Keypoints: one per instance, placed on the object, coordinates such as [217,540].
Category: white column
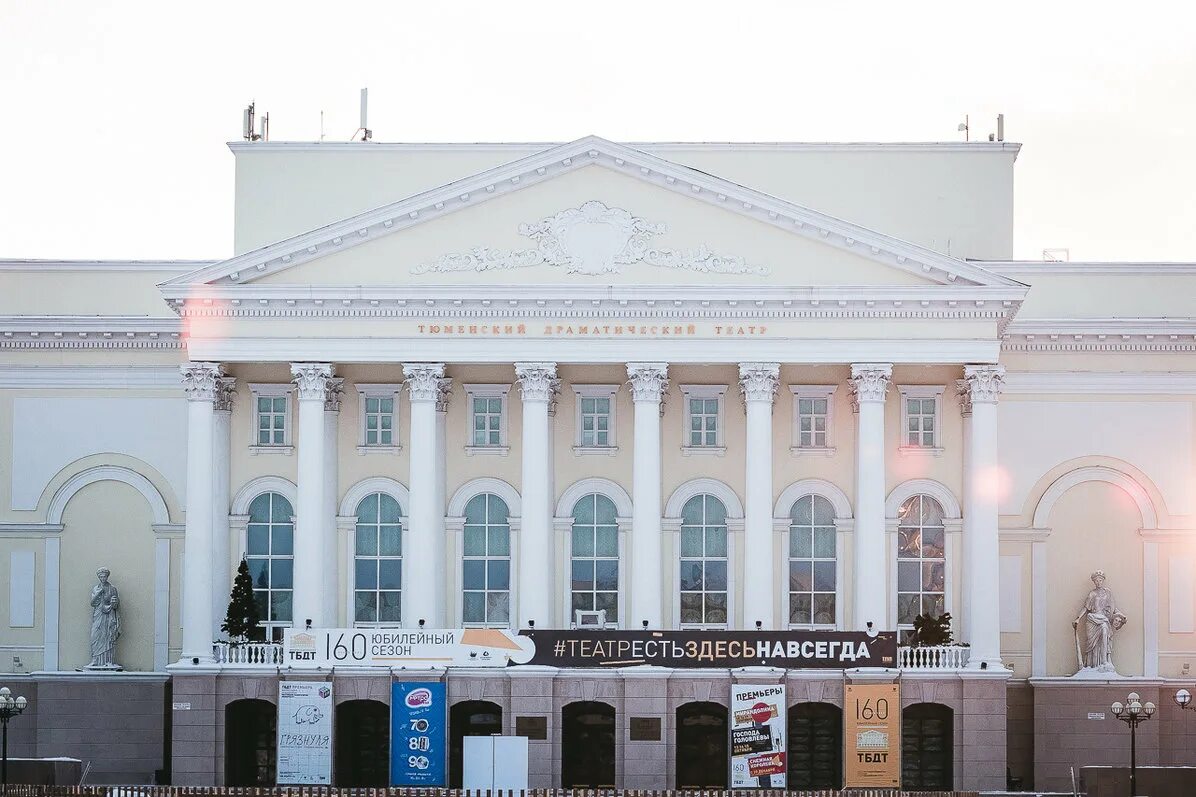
[981,545]
[537,384]
[331,570]
[648,385]
[222,582]
[424,518]
[311,524]
[439,616]
[869,384]
[758,382]
[200,383]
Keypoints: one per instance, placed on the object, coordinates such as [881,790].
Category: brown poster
[872,736]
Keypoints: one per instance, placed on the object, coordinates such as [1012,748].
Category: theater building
[704,387]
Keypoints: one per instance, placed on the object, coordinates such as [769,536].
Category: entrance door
[469,718]
[815,746]
[702,761]
[250,743]
[927,753]
[588,746]
[362,743]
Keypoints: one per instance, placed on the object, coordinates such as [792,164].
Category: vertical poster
[304,733]
[872,736]
[758,731]
[418,734]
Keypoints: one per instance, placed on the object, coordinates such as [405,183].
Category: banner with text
[418,733]
[304,733]
[400,647]
[758,736]
[716,649]
[872,735]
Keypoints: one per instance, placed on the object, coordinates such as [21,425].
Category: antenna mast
[364,128]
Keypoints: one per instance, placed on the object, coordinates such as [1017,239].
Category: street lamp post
[1133,713]
[9,708]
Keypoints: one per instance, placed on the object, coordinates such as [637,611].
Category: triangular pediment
[596,212]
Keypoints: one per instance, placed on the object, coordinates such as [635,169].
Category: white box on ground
[495,762]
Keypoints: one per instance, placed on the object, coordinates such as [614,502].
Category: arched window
[250,743]
[921,560]
[812,563]
[703,577]
[815,746]
[595,556]
[362,743]
[378,562]
[701,746]
[486,569]
[927,750]
[269,551]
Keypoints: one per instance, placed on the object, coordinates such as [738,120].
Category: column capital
[312,380]
[226,388]
[444,393]
[201,381]
[981,384]
[537,381]
[336,392]
[648,381]
[869,382]
[423,380]
[758,381]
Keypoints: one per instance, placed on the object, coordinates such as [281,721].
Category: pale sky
[113,115]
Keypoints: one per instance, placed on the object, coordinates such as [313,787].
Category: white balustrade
[267,653]
[939,657]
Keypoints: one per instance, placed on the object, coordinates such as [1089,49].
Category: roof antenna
[1000,134]
[965,128]
[364,128]
[247,120]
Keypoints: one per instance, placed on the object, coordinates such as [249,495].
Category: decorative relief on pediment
[591,239]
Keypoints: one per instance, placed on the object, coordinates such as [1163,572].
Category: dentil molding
[591,239]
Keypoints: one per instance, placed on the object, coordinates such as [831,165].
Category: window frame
[800,392]
[946,525]
[706,392]
[488,391]
[378,390]
[272,625]
[908,392]
[728,558]
[353,590]
[273,390]
[609,392]
[838,590]
[510,558]
[613,619]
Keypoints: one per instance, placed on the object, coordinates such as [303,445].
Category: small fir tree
[931,631]
[241,620]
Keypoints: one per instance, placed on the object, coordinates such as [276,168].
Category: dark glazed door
[469,718]
[588,746]
[702,761]
[815,746]
[250,743]
[362,743]
[926,747]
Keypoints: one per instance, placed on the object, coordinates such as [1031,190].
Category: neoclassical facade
[665,386]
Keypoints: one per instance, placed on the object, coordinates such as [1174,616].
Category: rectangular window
[487,418]
[703,422]
[811,422]
[379,417]
[271,417]
[595,418]
[921,408]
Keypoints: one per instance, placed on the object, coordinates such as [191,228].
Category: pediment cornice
[590,151]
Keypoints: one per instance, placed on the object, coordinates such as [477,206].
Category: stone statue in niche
[1099,619]
[105,623]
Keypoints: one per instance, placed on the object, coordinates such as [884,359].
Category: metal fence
[20,790]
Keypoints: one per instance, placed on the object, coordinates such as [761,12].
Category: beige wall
[1094,526]
[107,525]
[947,198]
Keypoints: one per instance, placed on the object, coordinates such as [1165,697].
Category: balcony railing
[267,653]
[943,657]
